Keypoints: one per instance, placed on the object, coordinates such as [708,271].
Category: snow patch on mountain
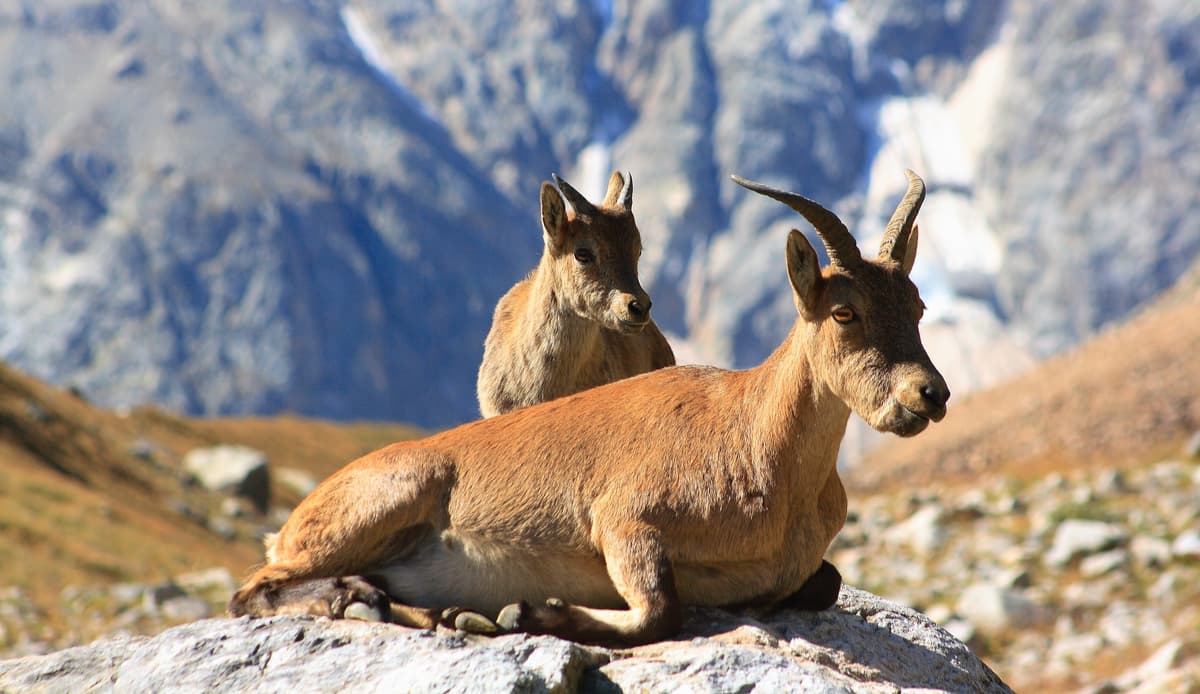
[845,20]
[372,53]
[592,169]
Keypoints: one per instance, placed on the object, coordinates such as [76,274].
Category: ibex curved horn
[625,199]
[895,238]
[620,191]
[579,203]
[839,244]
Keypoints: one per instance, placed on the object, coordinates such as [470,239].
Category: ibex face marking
[871,353]
[594,253]
[863,316]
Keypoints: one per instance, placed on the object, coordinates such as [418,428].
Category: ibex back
[596,516]
[581,319]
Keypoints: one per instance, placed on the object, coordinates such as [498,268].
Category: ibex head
[593,253]
[862,315]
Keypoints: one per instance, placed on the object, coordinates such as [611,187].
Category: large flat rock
[864,644]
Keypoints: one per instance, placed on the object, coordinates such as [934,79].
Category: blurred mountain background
[305,206]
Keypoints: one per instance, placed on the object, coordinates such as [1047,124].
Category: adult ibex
[581,319]
[596,516]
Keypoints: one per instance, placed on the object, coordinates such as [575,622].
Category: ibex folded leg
[641,572]
[338,597]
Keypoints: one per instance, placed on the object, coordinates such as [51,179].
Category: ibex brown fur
[581,319]
[596,516]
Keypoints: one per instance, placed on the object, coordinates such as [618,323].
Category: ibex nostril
[934,394]
[637,309]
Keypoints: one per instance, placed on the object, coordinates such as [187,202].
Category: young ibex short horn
[596,516]
[581,318]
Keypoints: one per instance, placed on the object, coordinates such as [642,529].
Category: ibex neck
[555,328]
[791,412]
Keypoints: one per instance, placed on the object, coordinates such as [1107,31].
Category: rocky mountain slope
[222,208]
[313,206]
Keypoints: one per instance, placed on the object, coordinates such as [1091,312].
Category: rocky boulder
[239,470]
[864,644]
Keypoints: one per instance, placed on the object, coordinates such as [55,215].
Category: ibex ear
[803,272]
[910,251]
[554,215]
[620,191]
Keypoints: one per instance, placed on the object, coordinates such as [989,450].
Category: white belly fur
[450,569]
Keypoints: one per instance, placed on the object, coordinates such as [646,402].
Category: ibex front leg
[640,570]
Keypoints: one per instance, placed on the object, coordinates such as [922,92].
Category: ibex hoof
[475,623]
[510,617]
[363,611]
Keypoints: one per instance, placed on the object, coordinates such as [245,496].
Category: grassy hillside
[96,497]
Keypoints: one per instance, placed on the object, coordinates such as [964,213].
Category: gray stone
[239,470]
[236,507]
[1150,551]
[1013,578]
[994,610]
[218,580]
[1191,448]
[1186,545]
[163,592]
[865,644]
[185,609]
[1124,623]
[1103,563]
[222,527]
[1111,482]
[300,481]
[144,449]
[1165,658]
[923,531]
[961,629]
[1077,649]
[127,593]
[1073,538]
[1166,588]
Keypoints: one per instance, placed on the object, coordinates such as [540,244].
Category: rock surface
[864,644]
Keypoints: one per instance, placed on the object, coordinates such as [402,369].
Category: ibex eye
[843,314]
[584,255]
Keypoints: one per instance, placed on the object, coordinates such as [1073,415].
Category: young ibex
[581,319]
[596,516]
